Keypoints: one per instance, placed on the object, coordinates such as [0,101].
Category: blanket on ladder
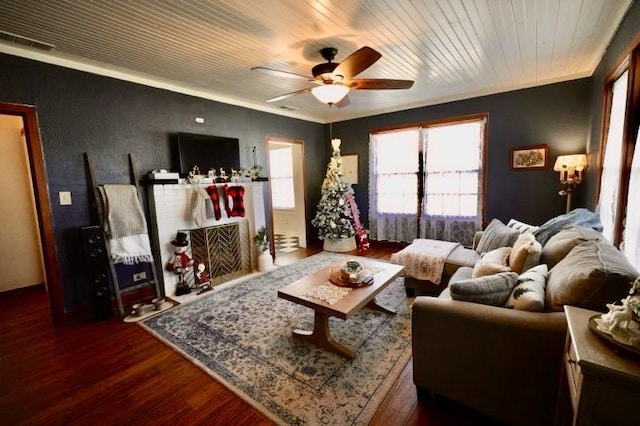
[125,224]
[424,259]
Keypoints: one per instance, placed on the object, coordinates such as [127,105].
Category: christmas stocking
[236,193]
[215,201]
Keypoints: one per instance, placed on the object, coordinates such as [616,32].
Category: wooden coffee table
[352,302]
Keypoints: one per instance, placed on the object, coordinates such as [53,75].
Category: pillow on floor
[528,294]
[494,262]
[525,253]
[496,235]
[489,290]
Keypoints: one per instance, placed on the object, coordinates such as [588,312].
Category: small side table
[604,385]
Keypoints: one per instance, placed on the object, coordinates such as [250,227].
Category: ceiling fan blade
[379,83]
[357,62]
[278,73]
[281,97]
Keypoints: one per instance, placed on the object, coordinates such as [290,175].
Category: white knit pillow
[528,294]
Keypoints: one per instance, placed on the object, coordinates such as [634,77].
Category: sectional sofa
[494,341]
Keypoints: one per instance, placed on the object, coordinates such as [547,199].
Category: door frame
[289,141]
[40,185]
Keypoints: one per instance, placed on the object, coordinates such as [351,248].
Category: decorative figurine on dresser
[621,324]
[180,263]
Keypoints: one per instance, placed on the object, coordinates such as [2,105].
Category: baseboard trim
[24,290]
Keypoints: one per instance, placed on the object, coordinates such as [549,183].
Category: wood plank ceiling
[453,49]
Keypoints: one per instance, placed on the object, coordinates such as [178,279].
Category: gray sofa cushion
[564,241]
[459,257]
[593,274]
[497,235]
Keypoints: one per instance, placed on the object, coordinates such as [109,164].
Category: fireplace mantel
[171,212]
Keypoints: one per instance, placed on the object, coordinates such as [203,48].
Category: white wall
[20,251]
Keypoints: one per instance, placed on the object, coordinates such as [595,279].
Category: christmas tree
[334,219]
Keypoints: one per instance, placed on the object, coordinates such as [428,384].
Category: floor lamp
[570,168]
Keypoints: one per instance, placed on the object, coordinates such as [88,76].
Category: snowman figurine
[180,262]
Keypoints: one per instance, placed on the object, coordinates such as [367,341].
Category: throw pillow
[564,241]
[496,235]
[521,226]
[490,290]
[528,294]
[593,274]
[525,253]
[493,262]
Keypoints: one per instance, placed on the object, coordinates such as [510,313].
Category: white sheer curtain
[631,235]
[453,186]
[611,165]
[393,184]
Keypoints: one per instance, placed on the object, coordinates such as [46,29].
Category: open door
[286,191]
[39,186]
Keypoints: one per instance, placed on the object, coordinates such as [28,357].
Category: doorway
[286,191]
[38,196]
[20,237]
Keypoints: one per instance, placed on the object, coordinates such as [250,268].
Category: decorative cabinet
[604,384]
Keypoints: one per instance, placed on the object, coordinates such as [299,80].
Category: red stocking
[213,194]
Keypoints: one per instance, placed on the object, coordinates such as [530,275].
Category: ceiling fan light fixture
[330,93]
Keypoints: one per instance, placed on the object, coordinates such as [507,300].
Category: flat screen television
[207,152]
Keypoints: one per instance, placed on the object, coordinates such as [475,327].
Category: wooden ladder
[119,288]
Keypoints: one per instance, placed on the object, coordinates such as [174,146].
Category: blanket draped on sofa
[424,259]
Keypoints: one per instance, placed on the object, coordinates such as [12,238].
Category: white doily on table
[328,292]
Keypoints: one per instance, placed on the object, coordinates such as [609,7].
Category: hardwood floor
[112,372]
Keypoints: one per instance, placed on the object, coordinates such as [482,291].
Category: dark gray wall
[80,112]
[622,41]
[556,115]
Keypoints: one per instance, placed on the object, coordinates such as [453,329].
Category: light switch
[65,198]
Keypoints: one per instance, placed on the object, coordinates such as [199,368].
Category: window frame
[628,61]
[441,122]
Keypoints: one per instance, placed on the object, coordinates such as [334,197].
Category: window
[612,162]
[397,172]
[619,193]
[426,174]
[631,240]
[452,169]
[281,164]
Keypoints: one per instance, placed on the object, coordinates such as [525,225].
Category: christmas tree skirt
[339,244]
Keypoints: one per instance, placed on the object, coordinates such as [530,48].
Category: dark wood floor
[112,372]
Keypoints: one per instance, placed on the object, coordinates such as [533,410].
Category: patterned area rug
[241,335]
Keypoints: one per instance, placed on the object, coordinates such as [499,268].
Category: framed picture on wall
[350,169]
[533,157]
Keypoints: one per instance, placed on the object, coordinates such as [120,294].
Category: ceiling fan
[334,80]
